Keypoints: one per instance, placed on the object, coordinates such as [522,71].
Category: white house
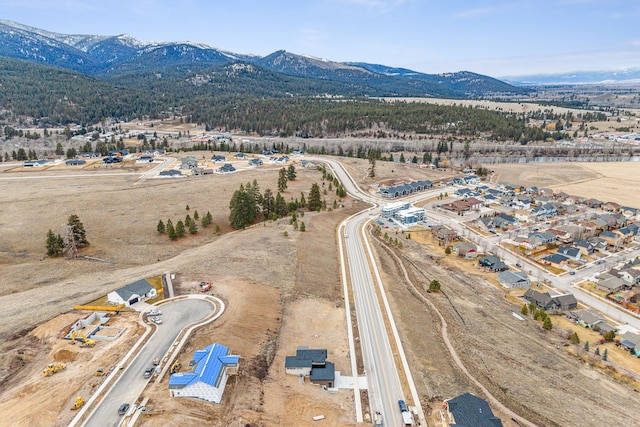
[207,380]
[132,293]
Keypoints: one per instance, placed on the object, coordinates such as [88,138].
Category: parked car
[148,372]
[123,409]
[154,312]
[156,320]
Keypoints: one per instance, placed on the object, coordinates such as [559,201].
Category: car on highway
[156,320]
[123,409]
[154,312]
[148,372]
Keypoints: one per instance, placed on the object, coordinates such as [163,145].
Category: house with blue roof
[211,368]
[468,410]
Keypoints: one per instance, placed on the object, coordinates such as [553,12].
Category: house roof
[140,287]
[318,356]
[210,364]
[471,411]
[512,277]
[323,373]
[569,251]
[295,362]
[555,258]
[588,316]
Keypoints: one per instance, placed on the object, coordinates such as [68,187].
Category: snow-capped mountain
[111,56]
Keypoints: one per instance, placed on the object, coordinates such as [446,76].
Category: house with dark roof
[557,260]
[171,173]
[132,293]
[468,410]
[570,252]
[211,368]
[226,168]
[255,162]
[551,303]
[240,156]
[493,263]
[218,159]
[312,363]
[75,162]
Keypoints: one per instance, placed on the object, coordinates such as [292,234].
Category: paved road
[564,281]
[383,381]
[176,315]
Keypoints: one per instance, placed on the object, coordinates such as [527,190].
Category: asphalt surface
[175,316]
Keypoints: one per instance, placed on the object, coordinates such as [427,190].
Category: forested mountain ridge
[109,57]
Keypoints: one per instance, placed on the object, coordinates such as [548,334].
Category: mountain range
[608,77]
[122,58]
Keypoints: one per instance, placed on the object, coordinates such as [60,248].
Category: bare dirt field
[607,181]
[282,291]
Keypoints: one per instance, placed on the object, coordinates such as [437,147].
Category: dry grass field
[282,290]
[611,181]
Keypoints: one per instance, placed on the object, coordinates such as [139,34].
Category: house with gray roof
[312,363]
[610,284]
[588,317]
[551,303]
[207,380]
[468,410]
[132,293]
[514,279]
[555,259]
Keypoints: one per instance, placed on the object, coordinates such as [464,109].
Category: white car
[154,312]
[156,320]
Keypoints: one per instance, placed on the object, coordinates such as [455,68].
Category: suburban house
[493,263]
[570,252]
[551,303]
[466,250]
[188,162]
[444,234]
[312,363]
[211,368]
[610,283]
[514,279]
[557,260]
[34,163]
[588,318]
[75,162]
[240,156]
[171,173]
[218,159]
[132,293]
[630,275]
[255,162]
[144,159]
[469,410]
[226,168]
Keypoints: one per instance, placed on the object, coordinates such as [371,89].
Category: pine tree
[244,207]
[196,217]
[268,204]
[282,180]
[597,352]
[303,201]
[524,310]
[575,339]
[171,231]
[586,346]
[161,227]
[547,323]
[605,355]
[434,286]
[206,219]
[303,227]
[180,229]
[315,200]
[55,244]
[291,173]
[193,227]
[77,229]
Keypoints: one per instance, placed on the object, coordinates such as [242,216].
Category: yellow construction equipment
[175,367]
[78,403]
[53,368]
[85,341]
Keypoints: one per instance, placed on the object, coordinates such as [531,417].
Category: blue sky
[494,37]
